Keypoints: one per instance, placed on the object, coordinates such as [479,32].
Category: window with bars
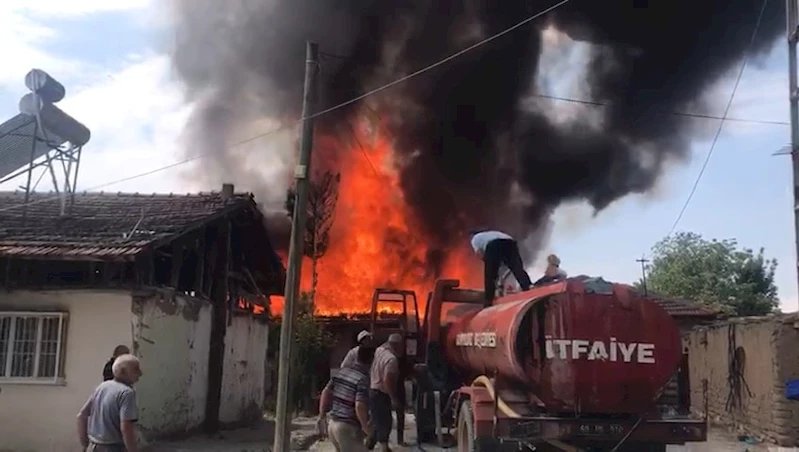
[32,346]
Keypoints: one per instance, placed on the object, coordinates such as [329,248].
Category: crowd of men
[358,401]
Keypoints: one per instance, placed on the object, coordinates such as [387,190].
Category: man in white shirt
[497,248]
[384,392]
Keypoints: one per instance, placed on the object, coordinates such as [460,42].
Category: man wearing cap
[365,339]
[497,248]
[384,394]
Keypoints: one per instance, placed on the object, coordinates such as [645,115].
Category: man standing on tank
[497,248]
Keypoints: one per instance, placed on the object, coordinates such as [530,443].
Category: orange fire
[375,240]
[256,309]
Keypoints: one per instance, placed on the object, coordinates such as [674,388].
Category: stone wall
[767,349]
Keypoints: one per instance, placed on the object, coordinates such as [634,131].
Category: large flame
[375,241]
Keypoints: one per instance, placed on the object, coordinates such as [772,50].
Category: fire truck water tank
[576,350]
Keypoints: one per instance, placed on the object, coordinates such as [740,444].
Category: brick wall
[769,347]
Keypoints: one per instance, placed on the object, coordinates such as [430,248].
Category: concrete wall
[41,418]
[771,357]
[171,337]
[170,333]
[244,373]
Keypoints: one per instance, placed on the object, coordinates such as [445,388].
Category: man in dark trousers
[384,396]
[497,248]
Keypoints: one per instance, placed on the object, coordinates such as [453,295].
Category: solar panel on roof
[21,139]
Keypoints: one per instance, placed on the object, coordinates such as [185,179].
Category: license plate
[524,429]
[600,429]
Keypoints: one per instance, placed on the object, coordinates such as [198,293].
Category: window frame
[59,379]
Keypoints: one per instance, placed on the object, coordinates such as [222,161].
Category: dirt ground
[259,439]
[718,441]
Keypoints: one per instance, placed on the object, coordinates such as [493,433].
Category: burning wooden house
[166,276]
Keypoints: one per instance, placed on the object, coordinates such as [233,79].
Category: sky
[111,56]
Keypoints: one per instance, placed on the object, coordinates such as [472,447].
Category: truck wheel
[466,440]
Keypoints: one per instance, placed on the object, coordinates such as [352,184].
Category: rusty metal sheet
[68,252]
[577,351]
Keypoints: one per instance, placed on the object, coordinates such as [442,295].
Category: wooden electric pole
[792,15]
[643,260]
[299,217]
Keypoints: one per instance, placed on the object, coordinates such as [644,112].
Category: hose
[484,381]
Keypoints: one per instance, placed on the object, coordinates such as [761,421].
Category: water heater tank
[54,120]
[48,88]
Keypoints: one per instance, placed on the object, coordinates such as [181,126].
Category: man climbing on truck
[497,248]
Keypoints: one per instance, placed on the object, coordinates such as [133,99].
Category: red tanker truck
[575,365]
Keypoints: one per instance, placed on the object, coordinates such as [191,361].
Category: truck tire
[466,440]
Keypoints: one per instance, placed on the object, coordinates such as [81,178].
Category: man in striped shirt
[345,400]
[384,394]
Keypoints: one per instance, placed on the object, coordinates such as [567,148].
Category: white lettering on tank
[598,351]
[646,353]
[562,344]
[485,339]
[627,351]
[577,349]
[613,349]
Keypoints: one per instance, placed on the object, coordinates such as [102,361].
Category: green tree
[716,273]
[311,347]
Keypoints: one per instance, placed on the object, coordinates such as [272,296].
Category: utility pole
[298,219]
[792,14]
[643,260]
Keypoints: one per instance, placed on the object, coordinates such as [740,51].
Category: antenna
[643,260]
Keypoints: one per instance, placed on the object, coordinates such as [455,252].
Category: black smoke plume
[472,151]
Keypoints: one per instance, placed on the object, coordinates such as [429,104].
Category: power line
[328,110]
[107,184]
[413,75]
[432,66]
[723,119]
[667,112]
